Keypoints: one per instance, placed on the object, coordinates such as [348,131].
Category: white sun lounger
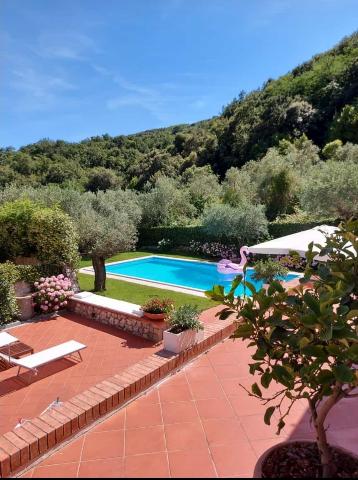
[6,339]
[32,362]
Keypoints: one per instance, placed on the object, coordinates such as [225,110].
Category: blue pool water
[182,273]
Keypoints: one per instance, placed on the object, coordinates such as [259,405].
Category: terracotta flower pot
[155,316]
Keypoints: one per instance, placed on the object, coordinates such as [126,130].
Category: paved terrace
[197,423]
[108,352]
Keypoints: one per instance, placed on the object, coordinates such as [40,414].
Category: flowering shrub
[214,249]
[164,244]
[158,305]
[51,293]
[293,261]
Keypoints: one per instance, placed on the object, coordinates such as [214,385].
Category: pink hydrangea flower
[51,293]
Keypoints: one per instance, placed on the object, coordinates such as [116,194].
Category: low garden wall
[122,315]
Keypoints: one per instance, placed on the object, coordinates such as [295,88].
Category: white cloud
[160,100]
[37,90]
[65,45]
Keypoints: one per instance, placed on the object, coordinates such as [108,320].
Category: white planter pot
[178,342]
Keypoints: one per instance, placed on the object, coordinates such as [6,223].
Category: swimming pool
[181,273]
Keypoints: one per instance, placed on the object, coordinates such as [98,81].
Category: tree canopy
[318,98]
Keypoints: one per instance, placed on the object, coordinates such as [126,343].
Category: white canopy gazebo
[297,242]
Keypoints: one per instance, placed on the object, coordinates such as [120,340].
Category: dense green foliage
[305,340]
[48,234]
[28,273]
[268,270]
[240,225]
[9,309]
[45,233]
[317,98]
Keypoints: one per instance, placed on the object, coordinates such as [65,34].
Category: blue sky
[71,69]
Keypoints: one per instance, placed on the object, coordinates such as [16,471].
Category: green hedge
[178,236]
[281,229]
[182,236]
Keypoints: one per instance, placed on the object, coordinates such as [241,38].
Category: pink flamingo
[227,266]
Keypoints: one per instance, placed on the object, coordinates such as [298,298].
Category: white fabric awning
[297,242]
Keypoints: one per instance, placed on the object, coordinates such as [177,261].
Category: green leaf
[313,303]
[343,373]
[309,320]
[255,366]
[280,426]
[256,390]
[352,314]
[325,376]
[266,379]
[352,353]
[303,342]
[250,286]
[235,283]
[275,286]
[268,415]
[244,330]
[216,293]
[335,350]
[326,333]
[316,351]
[282,375]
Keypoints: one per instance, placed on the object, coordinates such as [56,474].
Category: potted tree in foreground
[185,329]
[306,340]
[268,270]
[157,308]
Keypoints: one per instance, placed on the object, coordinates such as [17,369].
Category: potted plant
[185,329]
[268,270]
[157,308]
[306,341]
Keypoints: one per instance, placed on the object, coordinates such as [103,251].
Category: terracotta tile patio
[108,352]
[198,423]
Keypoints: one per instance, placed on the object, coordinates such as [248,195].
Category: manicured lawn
[139,294]
[138,254]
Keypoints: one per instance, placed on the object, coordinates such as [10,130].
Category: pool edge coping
[165,286]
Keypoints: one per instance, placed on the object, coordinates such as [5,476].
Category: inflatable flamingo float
[227,266]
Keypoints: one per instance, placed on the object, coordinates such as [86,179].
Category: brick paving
[197,423]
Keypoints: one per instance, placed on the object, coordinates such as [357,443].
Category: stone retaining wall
[136,325]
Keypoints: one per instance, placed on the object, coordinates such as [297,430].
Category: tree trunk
[99,273]
[319,417]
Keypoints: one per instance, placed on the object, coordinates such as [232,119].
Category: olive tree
[202,185]
[242,225]
[107,224]
[166,204]
[238,187]
[306,340]
[331,189]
